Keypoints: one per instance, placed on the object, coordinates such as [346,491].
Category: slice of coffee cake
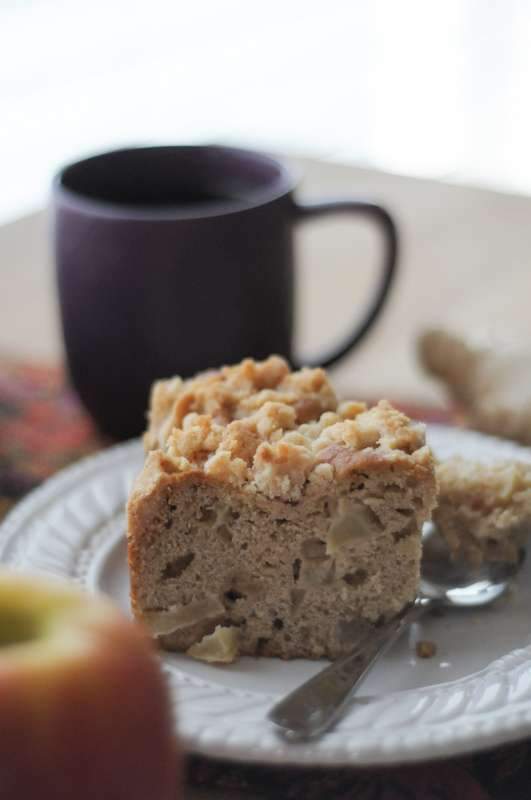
[270,520]
[484,510]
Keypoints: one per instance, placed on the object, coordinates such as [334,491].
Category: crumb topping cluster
[485,487]
[259,426]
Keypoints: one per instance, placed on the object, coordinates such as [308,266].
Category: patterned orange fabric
[42,428]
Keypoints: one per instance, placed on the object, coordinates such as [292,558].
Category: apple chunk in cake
[271,520]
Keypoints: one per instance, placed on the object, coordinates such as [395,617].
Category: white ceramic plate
[476,691]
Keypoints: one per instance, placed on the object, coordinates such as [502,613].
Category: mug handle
[384,221]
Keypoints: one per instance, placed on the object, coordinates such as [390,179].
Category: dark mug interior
[189,180]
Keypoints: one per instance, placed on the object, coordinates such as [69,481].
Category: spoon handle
[315,706]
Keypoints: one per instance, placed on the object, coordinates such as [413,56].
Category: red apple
[84,710]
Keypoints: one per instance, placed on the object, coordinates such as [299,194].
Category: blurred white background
[438,89]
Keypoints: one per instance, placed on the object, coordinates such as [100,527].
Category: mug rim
[282,185]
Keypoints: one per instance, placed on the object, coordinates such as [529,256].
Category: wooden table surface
[465,261]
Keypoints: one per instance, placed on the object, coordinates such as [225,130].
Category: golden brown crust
[259,427]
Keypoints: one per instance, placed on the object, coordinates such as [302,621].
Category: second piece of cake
[270,520]
[484,510]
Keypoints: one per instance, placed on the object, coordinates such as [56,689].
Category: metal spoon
[312,708]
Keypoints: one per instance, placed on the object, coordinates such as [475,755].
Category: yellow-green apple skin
[84,709]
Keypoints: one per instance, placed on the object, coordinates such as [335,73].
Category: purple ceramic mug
[171,260]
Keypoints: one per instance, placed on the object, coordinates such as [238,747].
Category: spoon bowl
[458,583]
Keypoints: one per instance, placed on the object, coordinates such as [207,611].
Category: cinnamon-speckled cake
[269,519]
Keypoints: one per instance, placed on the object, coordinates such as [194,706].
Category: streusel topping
[486,487]
[261,427]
